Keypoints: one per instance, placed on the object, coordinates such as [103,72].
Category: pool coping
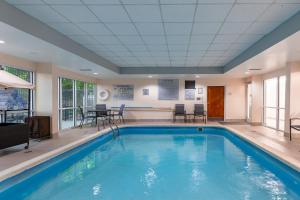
[17,169]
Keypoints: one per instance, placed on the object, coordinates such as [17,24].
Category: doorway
[215,102]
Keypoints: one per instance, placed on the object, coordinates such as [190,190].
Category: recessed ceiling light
[197,76]
[247,72]
[150,76]
[95,73]
[2,41]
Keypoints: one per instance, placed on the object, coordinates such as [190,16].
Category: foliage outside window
[74,93]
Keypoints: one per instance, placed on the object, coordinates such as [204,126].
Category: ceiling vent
[85,70]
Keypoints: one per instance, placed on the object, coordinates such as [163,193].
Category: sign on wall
[189,94]
[168,89]
[123,92]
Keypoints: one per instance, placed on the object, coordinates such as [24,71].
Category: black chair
[179,111]
[85,117]
[119,114]
[294,126]
[103,113]
[199,112]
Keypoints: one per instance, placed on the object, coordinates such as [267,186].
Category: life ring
[103,95]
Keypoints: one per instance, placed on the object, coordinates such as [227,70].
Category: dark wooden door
[215,102]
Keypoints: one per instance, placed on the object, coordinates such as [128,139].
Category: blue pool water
[159,163]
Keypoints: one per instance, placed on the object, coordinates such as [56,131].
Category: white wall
[235,92]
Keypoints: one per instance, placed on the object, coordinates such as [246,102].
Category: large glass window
[19,100]
[274,102]
[72,94]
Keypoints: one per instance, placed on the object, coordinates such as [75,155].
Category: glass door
[274,102]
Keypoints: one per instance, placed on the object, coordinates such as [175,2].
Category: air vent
[85,70]
[254,69]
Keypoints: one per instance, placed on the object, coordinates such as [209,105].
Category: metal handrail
[113,130]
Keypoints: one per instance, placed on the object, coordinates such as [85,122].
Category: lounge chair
[199,112]
[119,114]
[179,111]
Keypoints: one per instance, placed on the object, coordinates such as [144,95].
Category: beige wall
[46,91]
[235,92]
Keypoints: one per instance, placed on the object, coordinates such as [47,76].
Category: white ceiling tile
[137,47]
[178,47]
[196,54]
[160,53]
[94,28]
[131,39]
[110,13]
[215,1]
[279,12]
[255,1]
[228,38]
[198,47]
[76,13]
[67,28]
[150,28]
[23,2]
[122,28]
[117,48]
[204,38]
[69,2]
[144,13]
[101,2]
[178,1]
[42,12]
[157,47]
[206,28]
[144,2]
[212,12]
[219,46]
[178,28]
[261,27]
[152,40]
[178,13]
[246,12]
[178,39]
[107,39]
[234,27]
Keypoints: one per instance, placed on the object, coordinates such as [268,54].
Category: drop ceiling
[165,33]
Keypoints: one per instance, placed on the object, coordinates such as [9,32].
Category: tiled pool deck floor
[269,139]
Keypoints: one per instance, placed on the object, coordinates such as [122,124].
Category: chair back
[101,109]
[81,112]
[121,110]
[199,109]
[179,108]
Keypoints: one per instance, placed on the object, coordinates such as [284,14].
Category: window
[18,104]
[274,102]
[72,94]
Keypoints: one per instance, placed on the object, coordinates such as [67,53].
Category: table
[108,111]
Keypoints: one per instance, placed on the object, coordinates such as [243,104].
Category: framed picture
[200,90]
[146,92]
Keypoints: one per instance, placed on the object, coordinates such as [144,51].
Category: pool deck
[15,160]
